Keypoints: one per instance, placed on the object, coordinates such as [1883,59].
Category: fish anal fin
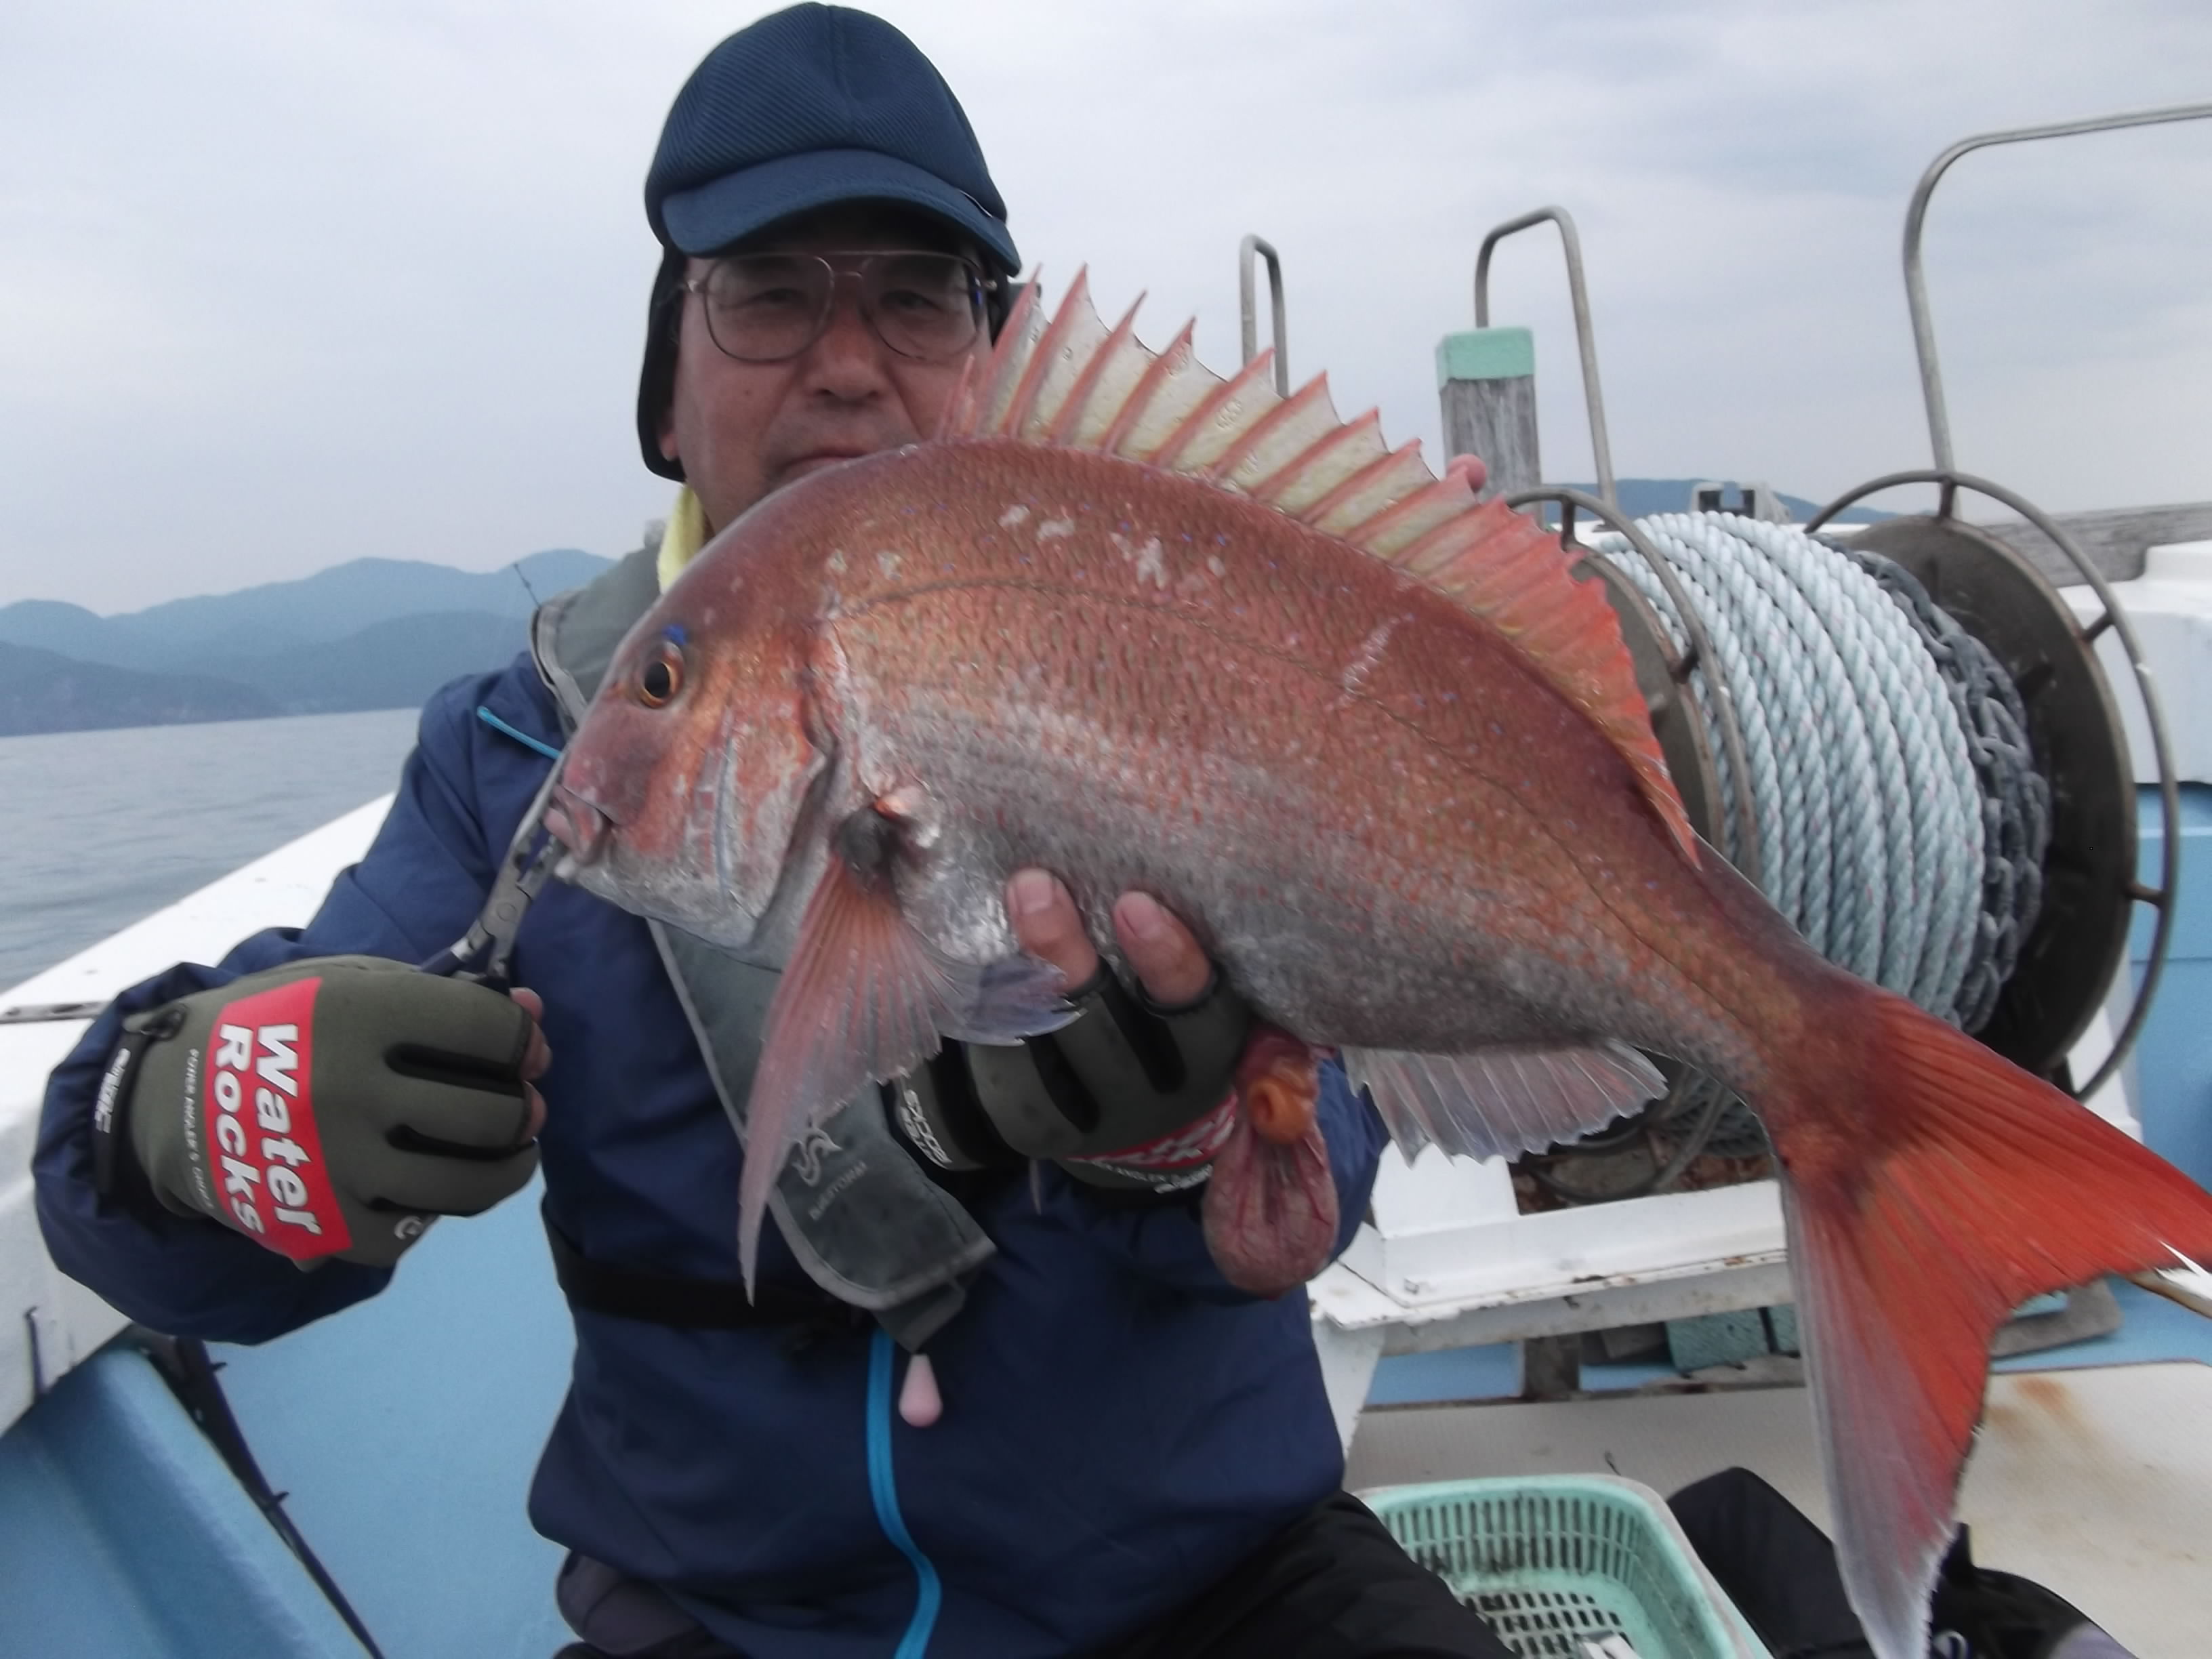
[1502,1101]
[864,998]
[1964,1187]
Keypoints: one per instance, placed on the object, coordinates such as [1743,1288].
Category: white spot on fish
[888,564]
[1214,563]
[1013,515]
[1152,566]
[1369,654]
[1051,528]
[836,563]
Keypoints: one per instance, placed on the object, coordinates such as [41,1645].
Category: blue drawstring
[524,738]
[884,1491]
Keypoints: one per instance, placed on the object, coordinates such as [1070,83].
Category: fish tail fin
[1964,1187]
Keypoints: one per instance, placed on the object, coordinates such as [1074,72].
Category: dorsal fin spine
[1069,421]
[1156,375]
[958,420]
[1384,534]
[1290,408]
[1408,454]
[1009,358]
[1041,358]
[1188,429]
[1350,435]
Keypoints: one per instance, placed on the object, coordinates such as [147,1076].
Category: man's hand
[1132,1094]
[331,1107]
[1167,960]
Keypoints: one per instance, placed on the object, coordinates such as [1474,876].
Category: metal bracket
[1915,287]
[1248,296]
[1593,398]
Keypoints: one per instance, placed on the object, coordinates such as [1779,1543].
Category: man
[1102,1448]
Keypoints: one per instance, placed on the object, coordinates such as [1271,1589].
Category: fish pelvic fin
[1071,380]
[864,999]
[1967,1187]
[1501,1101]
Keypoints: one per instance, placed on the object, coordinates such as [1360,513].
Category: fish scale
[1384,754]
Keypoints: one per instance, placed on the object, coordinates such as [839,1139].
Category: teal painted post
[1487,382]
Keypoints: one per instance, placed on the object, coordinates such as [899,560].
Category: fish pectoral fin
[864,999]
[1502,1100]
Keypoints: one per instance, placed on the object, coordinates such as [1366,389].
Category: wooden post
[1487,382]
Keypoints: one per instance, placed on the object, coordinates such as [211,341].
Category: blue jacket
[1121,1426]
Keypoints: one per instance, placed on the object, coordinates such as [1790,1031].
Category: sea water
[98,828]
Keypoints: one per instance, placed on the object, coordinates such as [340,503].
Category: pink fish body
[1380,750]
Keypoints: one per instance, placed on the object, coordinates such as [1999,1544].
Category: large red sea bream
[1149,629]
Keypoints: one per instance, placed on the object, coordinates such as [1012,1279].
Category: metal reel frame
[2130,889]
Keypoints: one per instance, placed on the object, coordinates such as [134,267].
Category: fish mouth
[578,825]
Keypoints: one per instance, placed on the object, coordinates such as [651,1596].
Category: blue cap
[808,108]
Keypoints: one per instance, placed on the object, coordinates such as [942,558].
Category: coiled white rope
[1869,818]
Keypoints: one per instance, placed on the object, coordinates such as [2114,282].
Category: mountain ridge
[369,634]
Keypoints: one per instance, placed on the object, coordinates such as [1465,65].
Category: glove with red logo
[328,1108]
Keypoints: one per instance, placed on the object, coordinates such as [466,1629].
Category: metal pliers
[523,873]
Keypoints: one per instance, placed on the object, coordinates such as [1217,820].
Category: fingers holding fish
[1166,957]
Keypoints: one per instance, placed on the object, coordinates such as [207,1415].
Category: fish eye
[662,677]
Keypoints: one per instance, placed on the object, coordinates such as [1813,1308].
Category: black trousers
[1334,1584]
[1778,1567]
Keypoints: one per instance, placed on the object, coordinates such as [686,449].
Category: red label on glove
[260,1114]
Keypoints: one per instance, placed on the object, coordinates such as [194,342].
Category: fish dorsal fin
[1073,381]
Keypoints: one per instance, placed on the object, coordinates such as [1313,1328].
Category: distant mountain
[391,665]
[195,634]
[1641,497]
[373,634]
[45,691]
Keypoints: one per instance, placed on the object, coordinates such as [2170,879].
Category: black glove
[327,1107]
[1126,1096]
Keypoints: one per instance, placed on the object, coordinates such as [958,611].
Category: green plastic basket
[1558,1563]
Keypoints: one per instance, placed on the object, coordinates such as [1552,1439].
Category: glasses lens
[923,305]
[763,308]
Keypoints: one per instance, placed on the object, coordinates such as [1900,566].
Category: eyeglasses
[768,308]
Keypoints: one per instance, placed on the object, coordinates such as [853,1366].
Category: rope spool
[1885,750]
[1887,798]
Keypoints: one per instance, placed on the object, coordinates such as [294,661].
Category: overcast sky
[286,282]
